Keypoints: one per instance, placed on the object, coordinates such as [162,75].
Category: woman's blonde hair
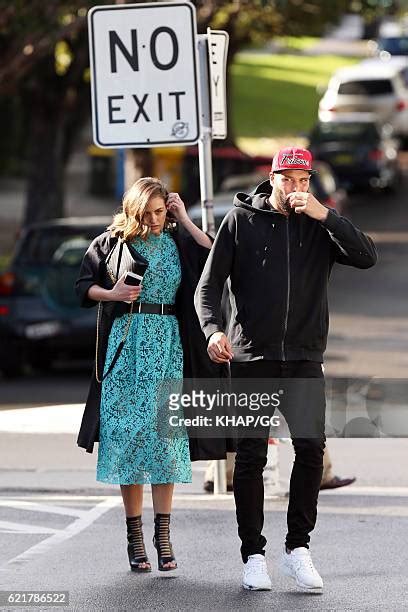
[128,223]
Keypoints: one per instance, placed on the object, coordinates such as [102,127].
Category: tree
[45,64]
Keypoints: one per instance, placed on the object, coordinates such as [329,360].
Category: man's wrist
[323,214]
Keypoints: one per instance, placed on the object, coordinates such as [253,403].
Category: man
[277,248]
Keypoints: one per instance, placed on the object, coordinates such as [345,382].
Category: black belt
[147,308]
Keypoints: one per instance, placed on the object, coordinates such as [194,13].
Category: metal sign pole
[205,141]
[207,191]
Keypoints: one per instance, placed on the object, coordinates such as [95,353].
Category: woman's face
[155,215]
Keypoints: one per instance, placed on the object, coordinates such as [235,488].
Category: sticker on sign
[144,74]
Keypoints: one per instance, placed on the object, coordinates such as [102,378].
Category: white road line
[381,511]
[64,534]
[63,497]
[369,491]
[51,509]
[25,528]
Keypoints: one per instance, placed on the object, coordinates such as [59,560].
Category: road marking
[383,511]
[368,491]
[60,536]
[12,527]
[51,509]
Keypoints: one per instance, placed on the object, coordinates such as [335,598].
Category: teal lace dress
[131,449]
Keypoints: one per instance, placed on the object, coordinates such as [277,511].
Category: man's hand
[219,348]
[305,202]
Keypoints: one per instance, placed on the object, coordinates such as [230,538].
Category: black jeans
[307,469]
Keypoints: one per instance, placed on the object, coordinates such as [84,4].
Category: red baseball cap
[292,158]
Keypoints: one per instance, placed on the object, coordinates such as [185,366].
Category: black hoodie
[278,269]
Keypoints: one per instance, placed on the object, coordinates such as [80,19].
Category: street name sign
[217,50]
[144,79]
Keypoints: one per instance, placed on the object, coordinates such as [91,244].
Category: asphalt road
[356,547]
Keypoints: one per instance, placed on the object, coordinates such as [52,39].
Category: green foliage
[275,95]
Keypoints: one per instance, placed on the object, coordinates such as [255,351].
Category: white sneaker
[256,574]
[298,564]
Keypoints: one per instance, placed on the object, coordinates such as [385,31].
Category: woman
[121,411]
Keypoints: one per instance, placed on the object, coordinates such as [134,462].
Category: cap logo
[294,161]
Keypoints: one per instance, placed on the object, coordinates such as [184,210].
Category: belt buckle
[162,308]
[139,308]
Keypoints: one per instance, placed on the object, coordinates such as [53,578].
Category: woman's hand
[176,207]
[124,293]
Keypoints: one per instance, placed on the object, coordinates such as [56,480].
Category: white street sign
[144,74]
[217,49]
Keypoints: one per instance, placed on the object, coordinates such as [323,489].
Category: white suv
[372,86]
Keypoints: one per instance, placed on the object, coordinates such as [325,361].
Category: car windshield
[358,132]
[374,87]
[395,45]
[40,245]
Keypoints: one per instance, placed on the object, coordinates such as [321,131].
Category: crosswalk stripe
[48,508]
[59,536]
[25,528]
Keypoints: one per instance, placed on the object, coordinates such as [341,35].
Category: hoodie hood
[257,201]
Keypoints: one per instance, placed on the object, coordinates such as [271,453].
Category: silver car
[373,86]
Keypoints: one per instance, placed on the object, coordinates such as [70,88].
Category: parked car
[373,86]
[40,316]
[323,185]
[396,46]
[361,151]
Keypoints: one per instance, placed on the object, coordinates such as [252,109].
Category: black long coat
[197,364]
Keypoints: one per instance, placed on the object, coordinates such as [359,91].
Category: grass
[297,43]
[276,95]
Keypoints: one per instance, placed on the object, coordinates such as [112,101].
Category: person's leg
[306,419]
[209,472]
[248,474]
[230,466]
[162,495]
[249,494]
[132,496]
[327,467]
[304,491]
[330,480]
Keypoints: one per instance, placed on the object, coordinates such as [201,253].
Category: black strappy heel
[161,542]
[136,548]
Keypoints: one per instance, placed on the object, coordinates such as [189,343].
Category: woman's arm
[119,293]
[176,206]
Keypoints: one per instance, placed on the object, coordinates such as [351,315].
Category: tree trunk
[45,162]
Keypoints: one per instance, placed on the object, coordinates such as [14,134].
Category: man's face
[287,182]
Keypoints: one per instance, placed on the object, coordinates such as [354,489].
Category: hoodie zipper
[285,325]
